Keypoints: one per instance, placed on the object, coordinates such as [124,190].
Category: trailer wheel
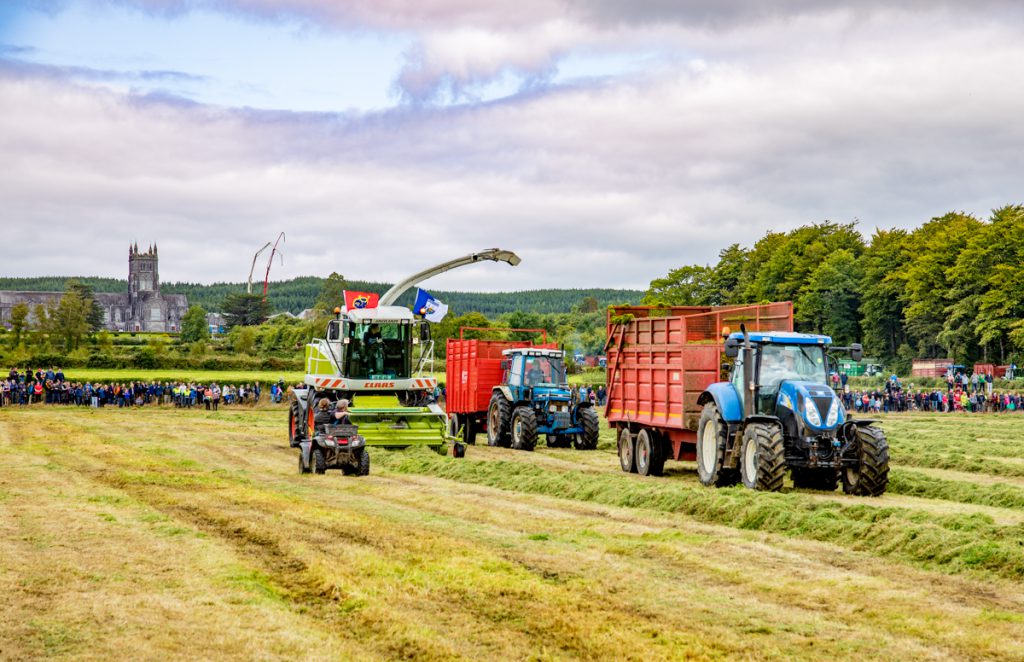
[627,451]
[711,438]
[469,431]
[587,441]
[762,457]
[499,414]
[871,475]
[295,429]
[815,479]
[649,459]
[319,462]
[524,429]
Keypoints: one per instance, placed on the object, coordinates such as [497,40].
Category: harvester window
[378,350]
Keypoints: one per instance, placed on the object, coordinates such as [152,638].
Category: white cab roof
[534,351]
[380,314]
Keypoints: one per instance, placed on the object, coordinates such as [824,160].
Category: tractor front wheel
[762,457]
[499,414]
[587,441]
[871,475]
[524,429]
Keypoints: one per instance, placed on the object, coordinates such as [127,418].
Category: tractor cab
[542,370]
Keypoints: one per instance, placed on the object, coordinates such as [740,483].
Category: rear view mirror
[506,364]
[856,351]
[425,332]
[732,347]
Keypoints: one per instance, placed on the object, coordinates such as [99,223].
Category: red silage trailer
[660,360]
[473,369]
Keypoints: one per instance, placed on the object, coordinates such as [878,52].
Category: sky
[606,142]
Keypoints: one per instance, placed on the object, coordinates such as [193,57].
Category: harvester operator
[374,343]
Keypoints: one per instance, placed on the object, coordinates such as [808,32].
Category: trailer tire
[649,459]
[815,479]
[524,429]
[453,425]
[762,457]
[587,441]
[499,415]
[318,461]
[364,463]
[711,450]
[627,451]
[871,475]
[469,431]
[295,430]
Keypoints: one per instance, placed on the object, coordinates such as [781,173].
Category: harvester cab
[370,354]
[777,412]
[534,398]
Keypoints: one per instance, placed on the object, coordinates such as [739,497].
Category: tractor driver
[374,343]
[534,374]
[776,368]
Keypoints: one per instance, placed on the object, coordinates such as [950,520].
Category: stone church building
[143,308]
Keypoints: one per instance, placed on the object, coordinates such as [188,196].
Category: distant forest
[297,294]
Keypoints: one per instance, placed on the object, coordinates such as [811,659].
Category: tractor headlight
[811,412]
[833,413]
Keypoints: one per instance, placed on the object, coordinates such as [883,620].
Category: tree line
[953,287]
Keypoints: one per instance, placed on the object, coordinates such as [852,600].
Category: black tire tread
[528,440]
[591,430]
[771,456]
[873,455]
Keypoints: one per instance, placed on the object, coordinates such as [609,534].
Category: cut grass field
[164,533]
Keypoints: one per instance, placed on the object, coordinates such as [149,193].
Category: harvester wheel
[627,451]
[458,449]
[318,461]
[303,469]
[364,463]
[591,430]
[499,415]
[524,429]
[711,438]
[649,459]
[296,425]
[815,479]
[762,457]
[871,475]
[469,431]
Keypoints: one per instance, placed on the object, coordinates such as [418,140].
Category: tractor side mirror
[732,347]
[856,351]
[425,332]
[726,368]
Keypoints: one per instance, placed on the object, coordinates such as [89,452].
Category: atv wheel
[295,427]
[524,429]
[649,459]
[627,451]
[711,438]
[499,414]
[871,475]
[815,479]
[591,430]
[364,463]
[762,460]
[318,461]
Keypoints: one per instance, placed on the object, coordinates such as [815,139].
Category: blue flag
[431,309]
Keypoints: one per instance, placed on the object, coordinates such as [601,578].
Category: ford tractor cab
[534,398]
[777,412]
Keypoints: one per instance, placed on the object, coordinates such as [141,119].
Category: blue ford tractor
[777,412]
[534,399]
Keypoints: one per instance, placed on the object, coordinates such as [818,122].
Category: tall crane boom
[493,254]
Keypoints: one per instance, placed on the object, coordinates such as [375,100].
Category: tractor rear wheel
[318,461]
[650,461]
[524,429]
[762,457]
[364,463]
[711,438]
[871,475]
[295,425]
[587,441]
[627,451]
[815,479]
[499,415]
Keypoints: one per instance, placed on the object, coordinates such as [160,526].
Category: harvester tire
[871,475]
[295,425]
[591,430]
[627,451]
[711,438]
[762,457]
[815,479]
[458,449]
[364,463]
[499,415]
[649,459]
[318,461]
[524,429]
[469,432]
[303,469]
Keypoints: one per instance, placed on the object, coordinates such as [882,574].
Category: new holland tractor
[777,412]
[371,351]
[534,399]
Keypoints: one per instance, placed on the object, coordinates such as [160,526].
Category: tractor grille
[561,419]
[823,405]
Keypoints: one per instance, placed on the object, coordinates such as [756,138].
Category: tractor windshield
[798,362]
[543,370]
[377,350]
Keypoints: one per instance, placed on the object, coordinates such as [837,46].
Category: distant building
[143,308]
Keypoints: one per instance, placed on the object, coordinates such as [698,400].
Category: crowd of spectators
[51,387]
[974,393]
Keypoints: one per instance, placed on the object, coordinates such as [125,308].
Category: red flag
[354,300]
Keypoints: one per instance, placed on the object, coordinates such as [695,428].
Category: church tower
[143,283]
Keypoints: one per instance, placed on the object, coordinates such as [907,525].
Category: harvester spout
[493,254]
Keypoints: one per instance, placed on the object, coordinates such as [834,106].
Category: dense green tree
[68,321]
[881,287]
[241,309]
[689,285]
[194,326]
[19,322]
[94,318]
[727,275]
[332,294]
[828,302]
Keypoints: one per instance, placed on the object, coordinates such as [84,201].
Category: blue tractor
[534,398]
[777,413]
